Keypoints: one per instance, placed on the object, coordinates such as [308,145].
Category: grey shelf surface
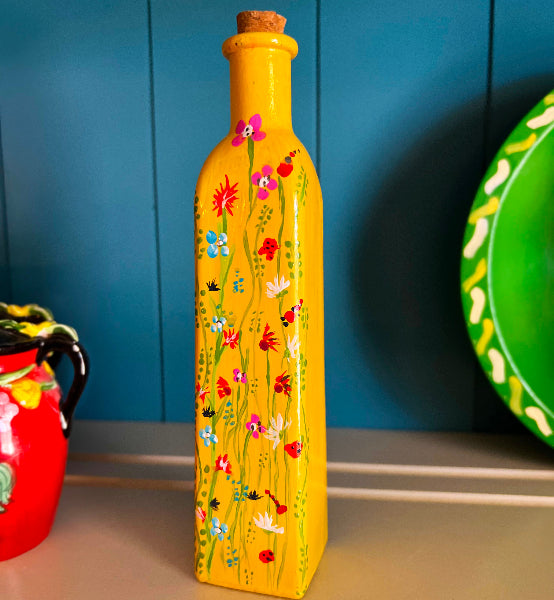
[411,515]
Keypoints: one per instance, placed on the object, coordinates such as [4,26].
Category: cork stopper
[254,21]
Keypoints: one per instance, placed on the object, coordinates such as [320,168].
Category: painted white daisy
[293,346]
[277,288]
[275,432]
[266,523]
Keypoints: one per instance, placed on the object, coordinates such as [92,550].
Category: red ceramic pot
[34,428]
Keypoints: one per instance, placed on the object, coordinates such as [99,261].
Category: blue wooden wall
[109,108]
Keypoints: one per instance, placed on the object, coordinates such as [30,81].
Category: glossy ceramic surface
[508,271]
[35,422]
[261,505]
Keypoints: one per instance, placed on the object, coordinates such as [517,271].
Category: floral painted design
[285,166]
[200,514]
[217,324]
[269,247]
[239,376]
[224,197]
[222,464]
[278,288]
[266,523]
[223,388]
[218,529]
[201,392]
[282,384]
[207,435]
[293,346]
[276,431]
[255,426]
[251,396]
[264,182]
[231,338]
[252,129]
[217,244]
[268,341]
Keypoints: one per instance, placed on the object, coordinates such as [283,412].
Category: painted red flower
[222,464]
[282,384]
[268,341]
[224,197]
[231,338]
[201,392]
[285,167]
[201,513]
[223,388]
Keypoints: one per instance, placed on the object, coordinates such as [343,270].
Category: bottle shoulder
[279,154]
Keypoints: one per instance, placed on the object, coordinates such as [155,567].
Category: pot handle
[79,359]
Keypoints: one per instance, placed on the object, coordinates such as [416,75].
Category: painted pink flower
[253,130]
[255,426]
[222,464]
[239,376]
[264,182]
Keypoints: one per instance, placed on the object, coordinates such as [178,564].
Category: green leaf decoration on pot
[59,328]
[7,482]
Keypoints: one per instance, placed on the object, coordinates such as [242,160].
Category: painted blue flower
[218,529]
[218,323]
[207,435]
[217,244]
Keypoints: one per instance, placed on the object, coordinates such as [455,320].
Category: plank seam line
[5,228]
[341,467]
[156,207]
[483,499]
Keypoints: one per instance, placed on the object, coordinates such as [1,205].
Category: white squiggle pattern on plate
[502,172]
[498,366]
[537,415]
[479,299]
[546,118]
[477,239]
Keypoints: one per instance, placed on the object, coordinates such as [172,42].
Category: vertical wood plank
[191,90]
[5,285]
[74,91]
[522,74]
[402,101]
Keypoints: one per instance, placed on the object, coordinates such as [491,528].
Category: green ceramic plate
[508,271]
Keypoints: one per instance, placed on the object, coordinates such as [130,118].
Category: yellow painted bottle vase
[260,497]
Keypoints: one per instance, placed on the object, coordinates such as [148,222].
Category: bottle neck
[261,85]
